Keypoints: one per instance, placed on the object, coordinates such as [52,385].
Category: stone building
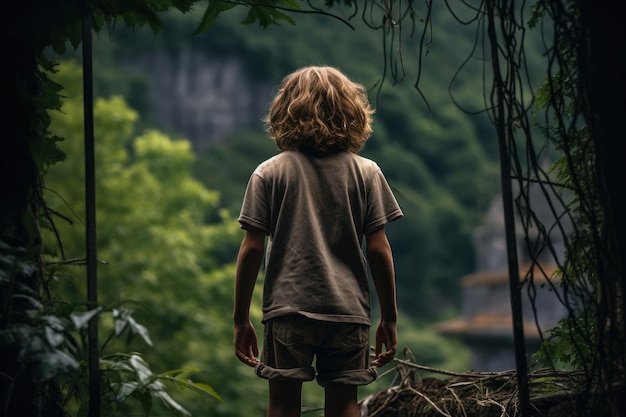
[485,323]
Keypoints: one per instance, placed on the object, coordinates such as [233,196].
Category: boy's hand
[246,344]
[385,335]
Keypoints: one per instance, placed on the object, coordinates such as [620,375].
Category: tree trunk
[603,72]
[20,245]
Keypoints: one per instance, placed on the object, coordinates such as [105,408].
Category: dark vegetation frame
[579,110]
[574,109]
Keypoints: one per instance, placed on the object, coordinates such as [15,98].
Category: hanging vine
[561,141]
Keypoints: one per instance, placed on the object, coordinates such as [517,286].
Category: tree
[155,247]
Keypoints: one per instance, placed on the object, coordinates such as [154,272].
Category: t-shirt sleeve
[255,209]
[382,206]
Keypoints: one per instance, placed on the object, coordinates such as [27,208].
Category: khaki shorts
[341,351]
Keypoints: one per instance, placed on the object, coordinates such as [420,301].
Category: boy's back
[317,211]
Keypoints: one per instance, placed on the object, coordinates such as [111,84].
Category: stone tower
[485,323]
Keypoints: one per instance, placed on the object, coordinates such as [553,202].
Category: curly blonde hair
[319,110]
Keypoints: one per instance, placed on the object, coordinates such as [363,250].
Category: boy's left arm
[248,264]
[380,259]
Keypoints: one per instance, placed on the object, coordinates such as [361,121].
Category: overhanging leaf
[171,404]
[122,319]
[200,388]
[142,369]
[80,320]
[124,390]
[141,330]
[214,8]
[176,376]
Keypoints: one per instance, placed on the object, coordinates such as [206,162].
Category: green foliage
[34,333]
[152,240]
[266,12]
[246,150]
[130,377]
[212,11]
[430,348]
[50,341]
[125,376]
[570,344]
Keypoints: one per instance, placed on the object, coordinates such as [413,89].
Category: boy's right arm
[380,259]
[248,264]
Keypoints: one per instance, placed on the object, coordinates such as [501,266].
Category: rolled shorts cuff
[354,377]
[300,374]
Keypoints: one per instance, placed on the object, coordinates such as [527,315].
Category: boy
[316,200]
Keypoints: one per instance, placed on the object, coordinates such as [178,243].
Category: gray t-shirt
[316,210]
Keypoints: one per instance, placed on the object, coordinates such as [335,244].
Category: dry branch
[471,394]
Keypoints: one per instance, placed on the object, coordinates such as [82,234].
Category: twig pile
[472,394]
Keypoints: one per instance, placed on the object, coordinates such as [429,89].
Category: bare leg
[341,401]
[285,398]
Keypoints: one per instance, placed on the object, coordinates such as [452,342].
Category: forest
[168,191]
